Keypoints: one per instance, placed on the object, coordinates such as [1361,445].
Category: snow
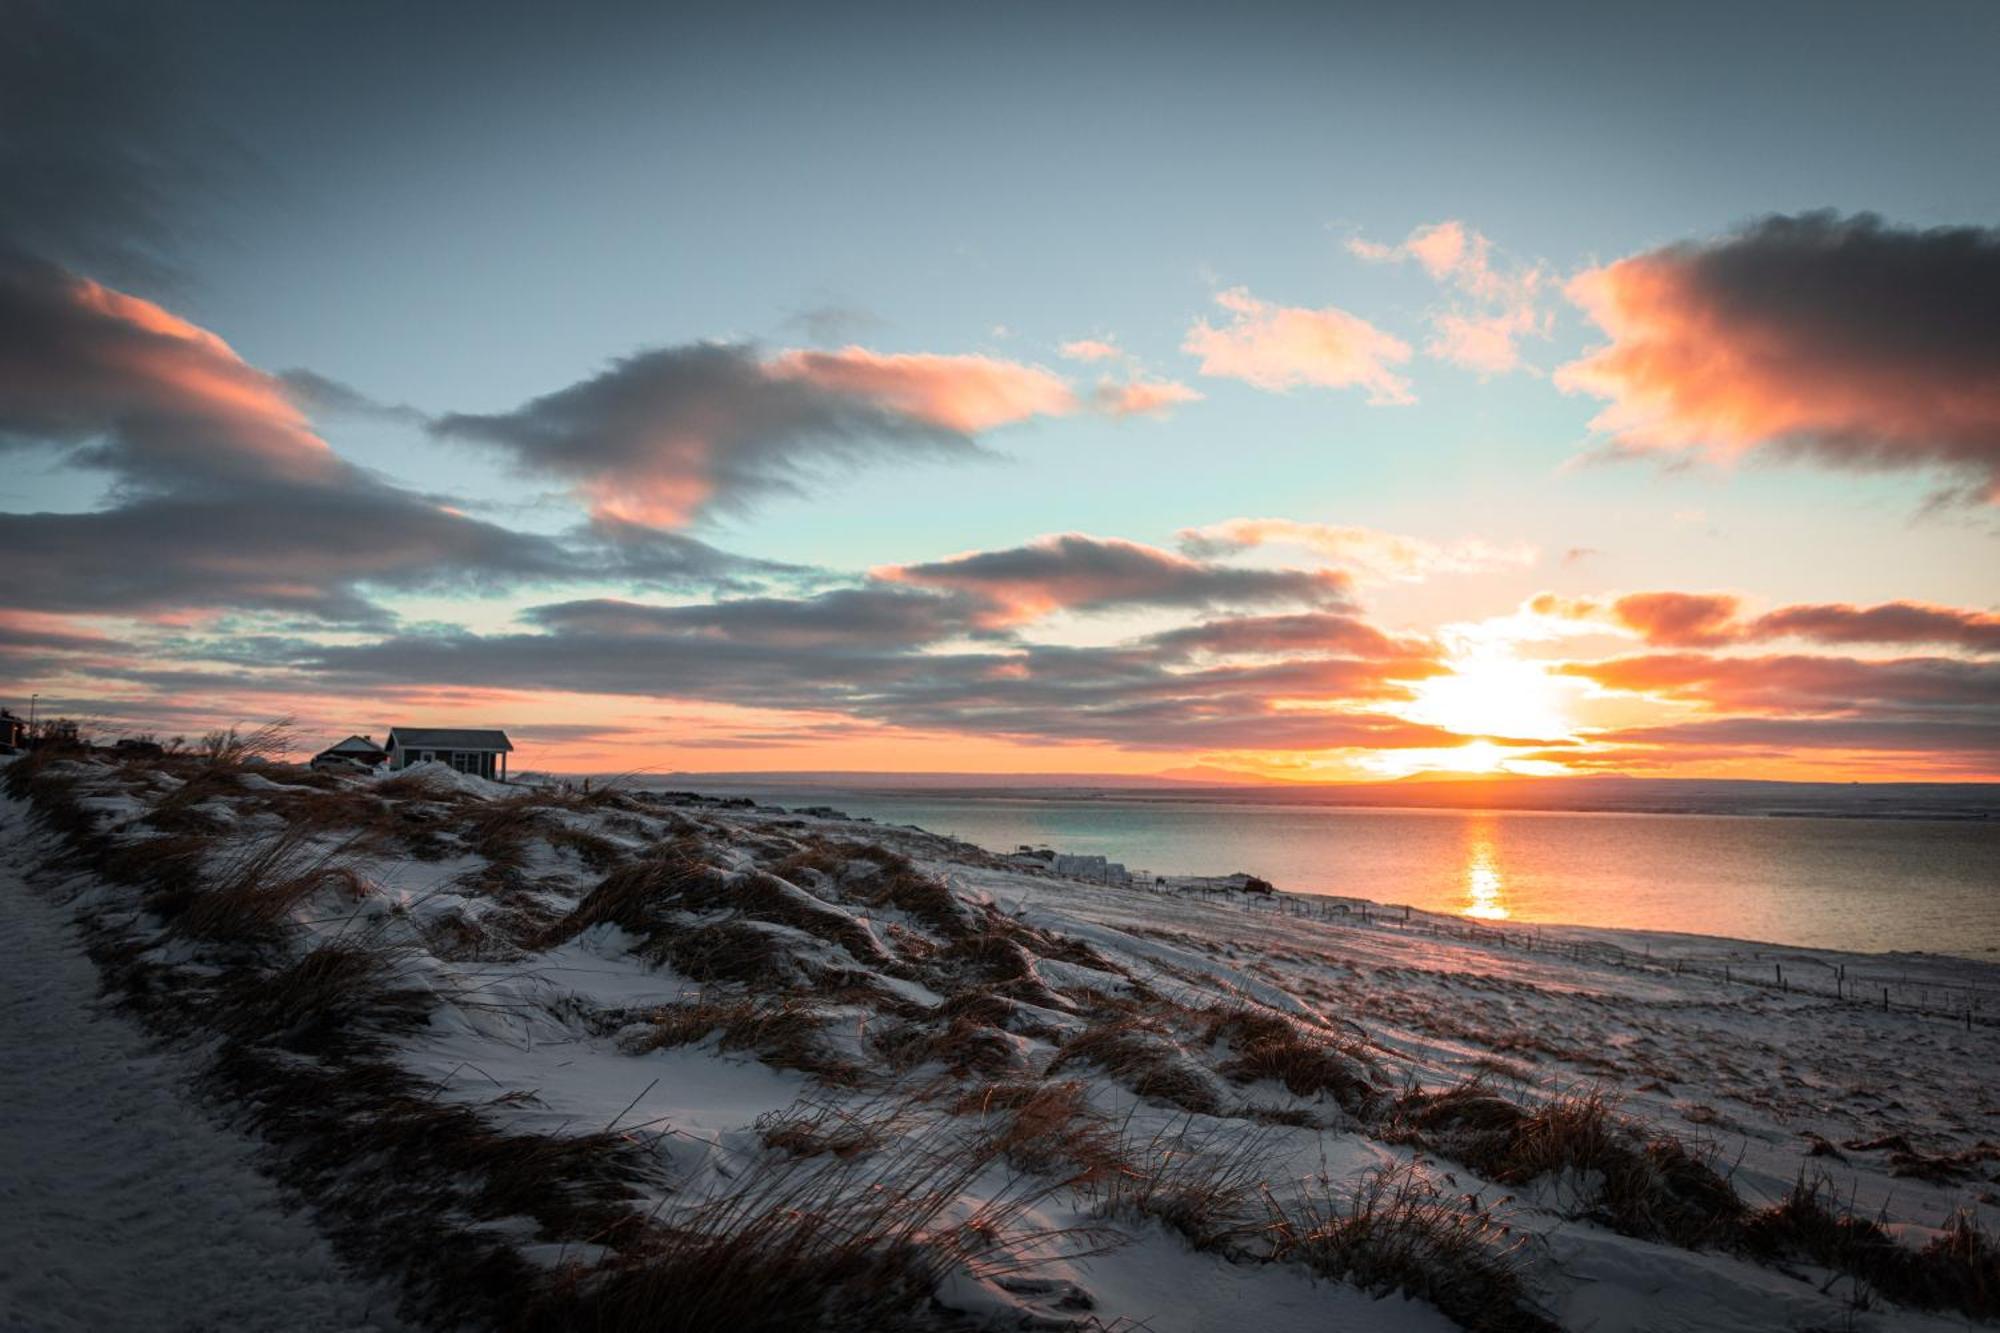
[122,1204]
[535,1031]
[441,777]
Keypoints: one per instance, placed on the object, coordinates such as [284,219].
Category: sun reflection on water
[1485,890]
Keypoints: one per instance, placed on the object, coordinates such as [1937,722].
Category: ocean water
[1870,885]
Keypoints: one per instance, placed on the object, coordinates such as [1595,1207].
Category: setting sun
[1492,692]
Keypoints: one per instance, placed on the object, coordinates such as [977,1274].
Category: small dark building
[354,752]
[13,732]
[471,750]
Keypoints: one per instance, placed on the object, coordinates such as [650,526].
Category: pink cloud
[970,394]
[1090,349]
[1283,347]
[142,391]
[1493,307]
[1142,397]
[1485,344]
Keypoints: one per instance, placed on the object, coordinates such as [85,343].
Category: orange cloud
[1797,683]
[1843,340]
[1679,619]
[1708,620]
[1283,347]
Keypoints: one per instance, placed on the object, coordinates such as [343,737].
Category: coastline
[1557,877]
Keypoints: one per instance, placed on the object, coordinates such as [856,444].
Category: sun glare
[1492,692]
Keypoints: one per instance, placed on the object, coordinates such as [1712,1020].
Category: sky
[1258,392]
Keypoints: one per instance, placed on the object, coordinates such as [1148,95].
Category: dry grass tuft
[1202,1184]
[963,1045]
[249,898]
[1470,1106]
[337,999]
[764,921]
[1268,1046]
[816,1128]
[639,896]
[899,884]
[1959,1269]
[170,865]
[178,811]
[829,1243]
[764,897]
[1143,1057]
[788,1035]
[1045,1127]
[1652,1185]
[596,851]
[745,952]
[1399,1232]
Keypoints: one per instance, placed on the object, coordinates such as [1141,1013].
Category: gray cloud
[223,496]
[1313,631]
[667,434]
[321,395]
[762,653]
[827,325]
[857,618]
[1887,622]
[1078,572]
[1844,340]
[97,163]
[1124,697]
[298,549]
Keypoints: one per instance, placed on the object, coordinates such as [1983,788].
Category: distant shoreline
[1948,802]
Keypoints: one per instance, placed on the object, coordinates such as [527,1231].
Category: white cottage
[468,749]
[356,752]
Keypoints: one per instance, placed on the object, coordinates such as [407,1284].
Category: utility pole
[31,715]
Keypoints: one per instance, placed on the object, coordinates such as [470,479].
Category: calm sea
[1871,885]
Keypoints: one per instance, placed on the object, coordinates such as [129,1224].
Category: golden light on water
[1485,889]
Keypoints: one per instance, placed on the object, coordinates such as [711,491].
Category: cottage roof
[449,738]
[354,745]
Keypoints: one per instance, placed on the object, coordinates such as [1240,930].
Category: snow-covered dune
[612,1060]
